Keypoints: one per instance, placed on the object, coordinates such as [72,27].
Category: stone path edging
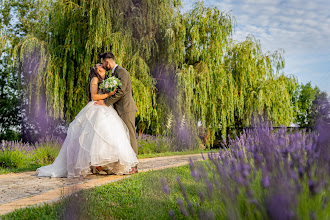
[20,190]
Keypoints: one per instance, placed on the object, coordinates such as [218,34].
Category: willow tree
[185,69]
[260,88]
[206,89]
[223,83]
[80,30]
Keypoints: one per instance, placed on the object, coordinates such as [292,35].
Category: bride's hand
[99,102]
[112,92]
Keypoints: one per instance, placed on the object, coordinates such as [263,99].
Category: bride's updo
[93,73]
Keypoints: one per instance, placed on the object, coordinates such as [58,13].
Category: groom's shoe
[98,170]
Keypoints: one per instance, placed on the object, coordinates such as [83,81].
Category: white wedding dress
[96,137]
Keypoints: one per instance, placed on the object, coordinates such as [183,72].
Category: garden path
[20,190]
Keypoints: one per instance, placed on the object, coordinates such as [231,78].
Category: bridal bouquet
[110,84]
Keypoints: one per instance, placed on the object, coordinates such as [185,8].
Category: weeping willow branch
[2,43]
[33,56]
[186,71]
[229,83]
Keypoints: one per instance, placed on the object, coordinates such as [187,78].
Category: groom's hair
[107,55]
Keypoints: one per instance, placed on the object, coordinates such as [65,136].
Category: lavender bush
[16,154]
[148,144]
[263,174]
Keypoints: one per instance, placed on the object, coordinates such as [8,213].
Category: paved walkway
[20,190]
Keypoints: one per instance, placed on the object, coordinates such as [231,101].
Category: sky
[300,27]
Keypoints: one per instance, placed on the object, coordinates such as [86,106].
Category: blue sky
[300,27]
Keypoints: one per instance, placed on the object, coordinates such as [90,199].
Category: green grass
[313,204]
[175,153]
[141,197]
[138,197]
[7,170]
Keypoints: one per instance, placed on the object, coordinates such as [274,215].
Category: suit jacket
[122,100]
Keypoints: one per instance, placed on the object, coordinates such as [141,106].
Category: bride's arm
[94,88]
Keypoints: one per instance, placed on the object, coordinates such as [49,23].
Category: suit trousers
[129,119]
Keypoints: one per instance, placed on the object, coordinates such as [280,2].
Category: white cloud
[300,27]
[303,20]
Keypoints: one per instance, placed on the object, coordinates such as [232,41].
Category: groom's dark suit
[124,103]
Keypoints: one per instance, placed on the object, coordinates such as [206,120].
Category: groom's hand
[99,102]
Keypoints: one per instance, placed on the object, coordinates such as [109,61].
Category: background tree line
[189,78]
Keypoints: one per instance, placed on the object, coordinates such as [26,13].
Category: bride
[97,139]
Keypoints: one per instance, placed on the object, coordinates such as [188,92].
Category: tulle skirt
[96,137]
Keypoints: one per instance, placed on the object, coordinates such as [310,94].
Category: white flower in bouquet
[110,83]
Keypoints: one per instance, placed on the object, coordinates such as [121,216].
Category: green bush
[16,154]
[45,155]
[148,144]
[13,158]
[10,135]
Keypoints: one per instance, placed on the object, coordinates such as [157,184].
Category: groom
[122,100]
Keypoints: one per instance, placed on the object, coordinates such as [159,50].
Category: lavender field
[263,174]
[20,156]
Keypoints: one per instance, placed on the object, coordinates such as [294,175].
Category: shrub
[264,175]
[13,158]
[10,135]
[16,154]
[148,144]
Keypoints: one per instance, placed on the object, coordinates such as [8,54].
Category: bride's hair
[93,73]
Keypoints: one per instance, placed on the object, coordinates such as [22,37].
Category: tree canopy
[312,105]
[186,70]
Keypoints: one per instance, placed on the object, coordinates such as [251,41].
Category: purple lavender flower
[278,207]
[312,215]
[280,160]
[265,181]
[171,214]
[182,208]
[183,189]
[165,187]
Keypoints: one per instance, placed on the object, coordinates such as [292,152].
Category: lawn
[138,197]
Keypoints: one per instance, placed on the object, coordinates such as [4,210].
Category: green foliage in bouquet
[110,84]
